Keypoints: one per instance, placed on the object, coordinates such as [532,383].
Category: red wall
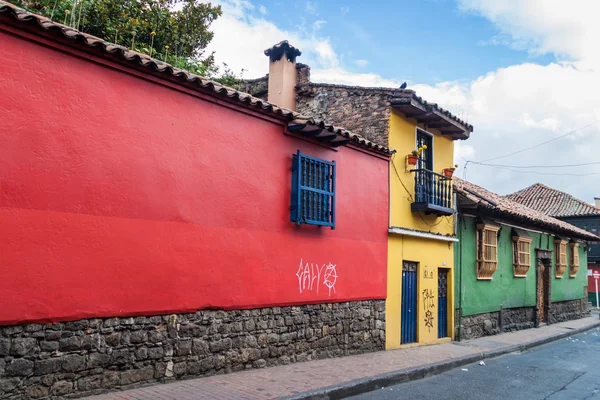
[121,196]
[591,281]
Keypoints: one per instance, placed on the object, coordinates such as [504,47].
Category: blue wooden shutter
[313,191]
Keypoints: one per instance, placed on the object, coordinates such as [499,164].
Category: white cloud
[361,63]
[345,10]
[511,108]
[263,10]
[311,8]
[568,29]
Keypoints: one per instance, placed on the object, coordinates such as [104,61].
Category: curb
[372,383]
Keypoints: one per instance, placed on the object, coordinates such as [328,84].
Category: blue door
[408,321]
[442,303]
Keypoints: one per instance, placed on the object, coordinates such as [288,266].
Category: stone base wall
[493,323]
[568,310]
[514,319]
[94,355]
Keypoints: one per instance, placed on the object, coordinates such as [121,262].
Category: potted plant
[413,157]
[448,172]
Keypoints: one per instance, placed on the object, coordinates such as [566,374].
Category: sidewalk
[340,377]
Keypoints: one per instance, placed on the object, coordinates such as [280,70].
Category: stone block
[37,391]
[73,363]
[23,346]
[19,367]
[61,388]
[48,346]
[48,366]
[110,379]
[9,384]
[89,383]
[183,348]
[98,360]
[137,337]
[4,347]
[71,343]
[155,352]
[137,375]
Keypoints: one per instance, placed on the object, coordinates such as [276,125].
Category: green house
[515,268]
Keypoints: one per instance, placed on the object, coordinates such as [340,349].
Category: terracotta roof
[552,202]
[42,26]
[503,206]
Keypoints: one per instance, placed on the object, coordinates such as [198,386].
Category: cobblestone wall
[568,310]
[514,319]
[94,355]
[493,323]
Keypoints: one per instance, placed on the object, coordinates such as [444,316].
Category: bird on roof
[403,86]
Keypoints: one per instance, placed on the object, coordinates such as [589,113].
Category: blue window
[313,191]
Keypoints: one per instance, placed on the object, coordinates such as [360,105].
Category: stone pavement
[295,380]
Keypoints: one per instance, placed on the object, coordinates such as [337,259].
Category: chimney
[283,74]
[597,201]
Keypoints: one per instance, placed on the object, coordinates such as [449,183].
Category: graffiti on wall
[428,272]
[311,276]
[428,305]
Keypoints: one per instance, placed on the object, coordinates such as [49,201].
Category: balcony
[433,193]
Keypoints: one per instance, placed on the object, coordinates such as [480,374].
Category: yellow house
[421,234]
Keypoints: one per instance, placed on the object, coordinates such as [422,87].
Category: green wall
[568,288]
[504,290]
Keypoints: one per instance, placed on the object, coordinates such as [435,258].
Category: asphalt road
[566,369]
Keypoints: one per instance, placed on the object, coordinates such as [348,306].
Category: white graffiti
[311,276]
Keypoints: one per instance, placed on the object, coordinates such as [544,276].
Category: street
[566,369]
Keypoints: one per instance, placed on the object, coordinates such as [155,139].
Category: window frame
[520,268]
[574,259]
[486,267]
[313,193]
[560,257]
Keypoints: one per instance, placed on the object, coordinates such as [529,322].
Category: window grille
[313,191]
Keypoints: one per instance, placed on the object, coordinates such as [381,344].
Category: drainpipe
[459,225]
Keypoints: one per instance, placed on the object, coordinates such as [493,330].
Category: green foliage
[173,31]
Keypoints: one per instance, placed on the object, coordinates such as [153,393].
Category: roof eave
[431,116]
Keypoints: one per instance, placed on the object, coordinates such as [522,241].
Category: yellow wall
[403,139]
[429,254]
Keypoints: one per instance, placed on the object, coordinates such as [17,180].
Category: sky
[522,72]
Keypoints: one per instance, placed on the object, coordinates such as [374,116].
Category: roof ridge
[516,209]
[551,191]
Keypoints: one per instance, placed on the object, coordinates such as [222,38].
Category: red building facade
[131,191]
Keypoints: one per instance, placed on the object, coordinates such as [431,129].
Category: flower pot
[412,159]
[448,172]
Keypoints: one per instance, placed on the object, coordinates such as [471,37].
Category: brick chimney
[282,74]
[597,201]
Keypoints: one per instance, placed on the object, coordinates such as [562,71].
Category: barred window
[560,257]
[487,250]
[313,191]
[574,264]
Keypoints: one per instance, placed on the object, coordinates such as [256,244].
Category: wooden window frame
[521,265]
[574,259]
[487,253]
[560,257]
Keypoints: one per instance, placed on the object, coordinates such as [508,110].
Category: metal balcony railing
[433,193]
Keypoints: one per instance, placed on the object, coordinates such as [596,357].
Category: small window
[521,253]
[560,257]
[313,191]
[574,261]
[487,250]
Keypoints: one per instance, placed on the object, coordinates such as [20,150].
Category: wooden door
[542,290]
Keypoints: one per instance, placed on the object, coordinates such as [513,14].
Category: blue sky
[419,41]
[521,71]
